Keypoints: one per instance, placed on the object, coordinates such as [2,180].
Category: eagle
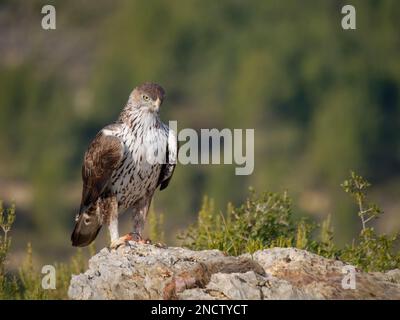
[123,166]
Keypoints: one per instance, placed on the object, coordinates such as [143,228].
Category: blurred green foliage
[321,99]
[261,222]
[29,281]
[156,225]
[266,221]
[7,217]
[27,284]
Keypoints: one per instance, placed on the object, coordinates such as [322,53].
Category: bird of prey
[123,166]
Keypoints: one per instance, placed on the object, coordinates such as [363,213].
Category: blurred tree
[322,100]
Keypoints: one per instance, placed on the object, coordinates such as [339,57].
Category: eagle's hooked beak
[156,105]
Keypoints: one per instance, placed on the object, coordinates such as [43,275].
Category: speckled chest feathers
[144,137]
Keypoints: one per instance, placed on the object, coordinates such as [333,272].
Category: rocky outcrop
[143,271]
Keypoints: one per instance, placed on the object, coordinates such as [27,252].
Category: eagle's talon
[122,241]
[134,237]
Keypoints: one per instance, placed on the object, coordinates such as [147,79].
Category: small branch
[369,219]
[368,210]
[361,211]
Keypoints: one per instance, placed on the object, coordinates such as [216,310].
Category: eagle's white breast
[138,173]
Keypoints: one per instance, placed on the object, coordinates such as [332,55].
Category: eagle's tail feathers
[87,227]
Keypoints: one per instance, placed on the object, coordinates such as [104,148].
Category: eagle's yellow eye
[146,98]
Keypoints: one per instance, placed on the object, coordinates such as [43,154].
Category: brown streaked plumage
[117,172]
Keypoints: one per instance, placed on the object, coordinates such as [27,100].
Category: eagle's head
[148,96]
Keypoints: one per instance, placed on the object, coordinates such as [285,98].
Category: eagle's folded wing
[103,156]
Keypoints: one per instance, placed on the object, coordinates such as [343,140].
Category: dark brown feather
[101,159]
[87,226]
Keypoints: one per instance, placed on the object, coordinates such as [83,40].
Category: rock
[143,271]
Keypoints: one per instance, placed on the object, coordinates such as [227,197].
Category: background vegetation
[262,222]
[267,221]
[322,101]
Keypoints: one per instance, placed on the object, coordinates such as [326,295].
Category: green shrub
[27,284]
[266,221]
[8,284]
[372,252]
[263,221]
